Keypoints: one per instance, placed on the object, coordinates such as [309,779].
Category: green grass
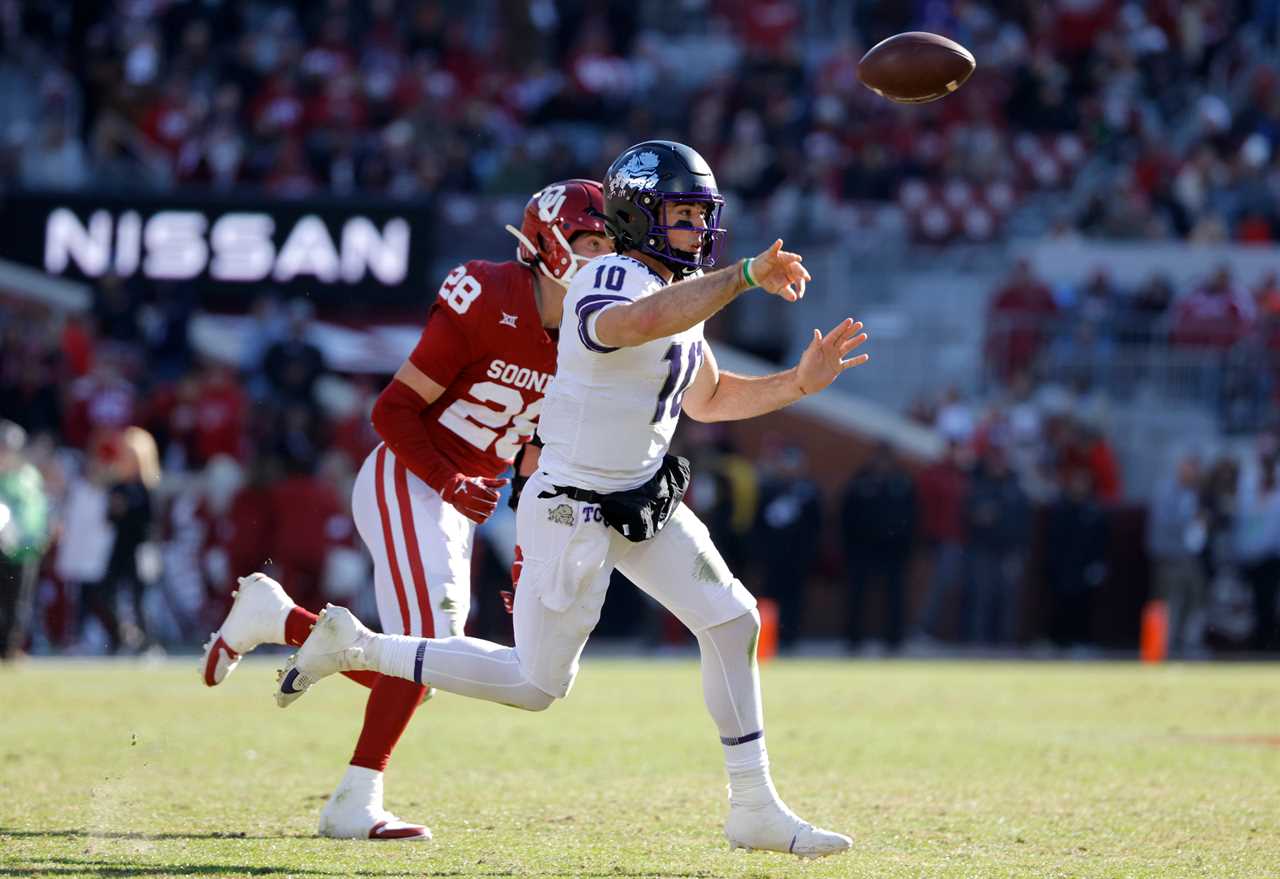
[937,770]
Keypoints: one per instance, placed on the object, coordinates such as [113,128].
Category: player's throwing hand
[779,272]
[824,359]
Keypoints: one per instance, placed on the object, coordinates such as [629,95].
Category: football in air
[915,67]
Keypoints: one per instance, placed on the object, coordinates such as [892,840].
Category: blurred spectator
[998,516]
[55,158]
[24,537]
[116,310]
[1216,315]
[267,326]
[1220,502]
[103,400]
[86,537]
[238,509]
[1145,310]
[1015,322]
[133,474]
[942,490]
[955,418]
[220,415]
[1075,559]
[878,516]
[306,519]
[788,533]
[30,369]
[293,364]
[1258,548]
[1176,537]
[1083,446]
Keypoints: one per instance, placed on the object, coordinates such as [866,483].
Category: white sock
[749,781]
[361,788]
[394,655]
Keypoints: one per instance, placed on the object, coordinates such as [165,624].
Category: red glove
[509,597]
[475,497]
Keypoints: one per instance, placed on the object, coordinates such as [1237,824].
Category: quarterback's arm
[725,396]
[671,310]
[688,303]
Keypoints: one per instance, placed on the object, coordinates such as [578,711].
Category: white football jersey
[609,413]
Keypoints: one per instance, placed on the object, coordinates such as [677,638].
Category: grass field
[937,770]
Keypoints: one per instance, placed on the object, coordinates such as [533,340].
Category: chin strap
[575,261]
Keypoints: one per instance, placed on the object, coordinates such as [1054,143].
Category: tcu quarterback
[452,420]
[631,358]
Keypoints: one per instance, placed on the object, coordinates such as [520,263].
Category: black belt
[576,494]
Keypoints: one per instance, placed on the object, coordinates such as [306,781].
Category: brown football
[915,67]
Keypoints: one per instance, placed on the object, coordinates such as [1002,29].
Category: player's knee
[744,628]
[534,699]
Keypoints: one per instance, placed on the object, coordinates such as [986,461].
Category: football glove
[475,497]
[509,595]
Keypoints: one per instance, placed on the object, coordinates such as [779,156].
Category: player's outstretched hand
[475,497]
[780,272]
[824,359]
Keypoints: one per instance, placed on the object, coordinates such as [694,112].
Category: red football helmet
[551,219]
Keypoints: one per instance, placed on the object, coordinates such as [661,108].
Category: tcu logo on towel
[550,200]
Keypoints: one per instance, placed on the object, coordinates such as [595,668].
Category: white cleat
[773,827]
[355,812]
[256,617]
[337,643]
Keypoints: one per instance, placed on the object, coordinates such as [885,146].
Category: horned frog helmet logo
[639,172]
[550,200]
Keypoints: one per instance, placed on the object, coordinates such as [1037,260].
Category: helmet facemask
[657,242]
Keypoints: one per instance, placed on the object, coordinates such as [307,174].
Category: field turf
[937,770]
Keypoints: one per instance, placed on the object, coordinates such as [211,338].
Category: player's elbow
[704,413]
[396,402]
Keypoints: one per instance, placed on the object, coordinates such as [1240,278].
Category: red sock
[391,704]
[297,625]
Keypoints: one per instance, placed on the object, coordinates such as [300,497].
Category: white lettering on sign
[176,249]
[242,248]
[65,239]
[238,247]
[385,255]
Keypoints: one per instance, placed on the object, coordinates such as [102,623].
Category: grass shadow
[116,868]
[139,835]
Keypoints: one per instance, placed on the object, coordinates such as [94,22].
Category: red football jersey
[484,343]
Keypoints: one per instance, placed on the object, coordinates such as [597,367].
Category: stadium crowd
[1215,342]
[1154,119]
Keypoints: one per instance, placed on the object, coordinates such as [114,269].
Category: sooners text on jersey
[484,343]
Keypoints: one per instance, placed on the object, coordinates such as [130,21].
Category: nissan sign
[326,249]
